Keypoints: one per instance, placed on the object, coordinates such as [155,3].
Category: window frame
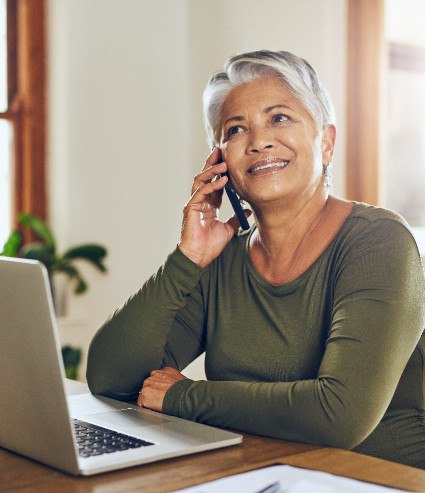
[366,67]
[26,40]
[365,71]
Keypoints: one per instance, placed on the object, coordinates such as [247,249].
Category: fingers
[167,373]
[156,386]
[214,158]
[201,195]
[208,175]
[210,170]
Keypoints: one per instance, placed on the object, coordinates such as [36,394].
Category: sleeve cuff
[182,268]
[174,398]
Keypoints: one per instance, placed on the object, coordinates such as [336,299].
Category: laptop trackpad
[129,419]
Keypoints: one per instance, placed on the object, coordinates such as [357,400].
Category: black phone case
[234,200]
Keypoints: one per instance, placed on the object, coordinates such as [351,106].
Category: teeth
[279,164]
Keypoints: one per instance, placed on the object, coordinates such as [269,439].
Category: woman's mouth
[267,166]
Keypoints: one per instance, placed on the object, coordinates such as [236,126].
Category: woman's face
[271,144]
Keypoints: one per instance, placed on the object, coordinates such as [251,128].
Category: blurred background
[121,85]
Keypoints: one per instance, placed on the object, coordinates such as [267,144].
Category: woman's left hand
[156,386]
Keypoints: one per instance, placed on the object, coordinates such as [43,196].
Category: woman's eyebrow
[268,109]
[234,119]
[276,106]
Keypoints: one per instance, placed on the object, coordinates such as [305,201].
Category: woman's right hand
[203,236]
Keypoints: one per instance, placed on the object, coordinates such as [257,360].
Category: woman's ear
[328,143]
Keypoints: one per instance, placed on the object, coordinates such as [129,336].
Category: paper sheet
[291,479]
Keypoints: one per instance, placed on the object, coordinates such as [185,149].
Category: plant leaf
[39,227]
[72,273]
[39,251]
[66,268]
[81,286]
[12,245]
[71,360]
[91,252]
[71,355]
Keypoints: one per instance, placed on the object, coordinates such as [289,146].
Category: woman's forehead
[260,94]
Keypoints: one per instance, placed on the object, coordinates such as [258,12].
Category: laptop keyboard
[94,440]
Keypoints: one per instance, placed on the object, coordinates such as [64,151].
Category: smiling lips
[267,165]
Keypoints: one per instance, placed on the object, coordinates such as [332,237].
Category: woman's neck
[283,247]
[281,227]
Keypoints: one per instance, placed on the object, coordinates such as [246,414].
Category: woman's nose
[260,141]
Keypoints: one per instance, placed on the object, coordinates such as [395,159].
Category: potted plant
[45,250]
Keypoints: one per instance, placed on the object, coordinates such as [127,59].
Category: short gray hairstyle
[297,75]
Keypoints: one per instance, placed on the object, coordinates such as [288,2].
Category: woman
[312,320]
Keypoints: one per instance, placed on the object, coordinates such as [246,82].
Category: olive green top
[321,359]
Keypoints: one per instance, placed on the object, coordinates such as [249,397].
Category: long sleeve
[372,286]
[145,333]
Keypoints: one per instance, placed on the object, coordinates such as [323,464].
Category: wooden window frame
[365,69]
[27,105]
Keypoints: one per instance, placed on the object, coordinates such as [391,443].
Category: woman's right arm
[145,334]
[133,342]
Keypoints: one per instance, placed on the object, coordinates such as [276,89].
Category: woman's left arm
[377,320]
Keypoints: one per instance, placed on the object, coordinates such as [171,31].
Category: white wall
[117,112]
[125,128]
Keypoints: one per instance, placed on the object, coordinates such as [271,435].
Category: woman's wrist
[195,257]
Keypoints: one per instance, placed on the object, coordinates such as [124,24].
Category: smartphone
[235,201]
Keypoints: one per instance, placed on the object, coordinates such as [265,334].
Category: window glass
[404,128]
[5,180]
[405,160]
[3,57]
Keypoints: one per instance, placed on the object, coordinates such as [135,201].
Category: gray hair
[297,75]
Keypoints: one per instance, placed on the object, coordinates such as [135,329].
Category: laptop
[81,434]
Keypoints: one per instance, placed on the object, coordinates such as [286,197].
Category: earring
[328,175]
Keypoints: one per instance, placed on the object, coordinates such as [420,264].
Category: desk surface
[21,474]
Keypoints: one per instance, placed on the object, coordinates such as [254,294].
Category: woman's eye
[280,118]
[236,129]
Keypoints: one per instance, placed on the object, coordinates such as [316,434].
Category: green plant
[71,360]
[45,250]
